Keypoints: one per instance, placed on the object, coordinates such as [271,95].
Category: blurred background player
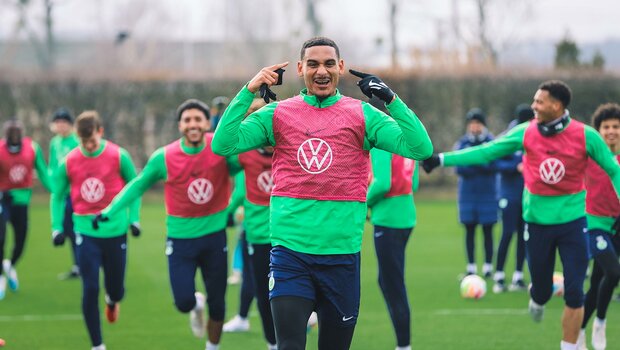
[20,156]
[61,144]
[393,214]
[197,192]
[219,105]
[603,213]
[94,173]
[477,196]
[510,196]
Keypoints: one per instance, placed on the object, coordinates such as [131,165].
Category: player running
[93,174]
[320,171]
[197,191]
[556,149]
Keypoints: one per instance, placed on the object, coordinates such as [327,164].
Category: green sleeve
[236,133]
[602,155]
[128,172]
[500,147]
[238,194]
[57,199]
[41,167]
[402,133]
[53,161]
[234,167]
[382,176]
[154,170]
[415,180]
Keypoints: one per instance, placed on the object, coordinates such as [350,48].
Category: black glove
[58,238]
[97,219]
[135,229]
[265,92]
[616,226]
[372,85]
[431,163]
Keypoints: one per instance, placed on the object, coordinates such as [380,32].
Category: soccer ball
[473,287]
[558,284]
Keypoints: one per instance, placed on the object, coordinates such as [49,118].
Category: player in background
[320,170]
[219,105]
[556,149]
[61,144]
[603,214]
[197,191]
[93,174]
[20,156]
[477,194]
[510,197]
[393,214]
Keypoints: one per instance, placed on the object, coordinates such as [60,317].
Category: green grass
[45,312]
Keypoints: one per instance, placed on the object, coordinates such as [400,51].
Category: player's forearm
[57,210]
[230,138]
[485,153]
[414,134]
[129,196]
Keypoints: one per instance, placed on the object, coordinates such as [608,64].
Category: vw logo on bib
[265,181]
[17,173]
[92,190]
[551,171]
[314,156]
[200,191]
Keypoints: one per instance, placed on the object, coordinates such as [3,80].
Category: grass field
[45,312]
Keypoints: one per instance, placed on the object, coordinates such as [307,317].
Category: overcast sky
[421,22]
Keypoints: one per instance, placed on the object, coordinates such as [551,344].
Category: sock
[599,322]
[272,346]
[487,267]
[517,276]
[408,347]
[535,304]
[99,347]
[471,268]
[199,304]
[567,346]
[499,275]
[109,301]
[211,346]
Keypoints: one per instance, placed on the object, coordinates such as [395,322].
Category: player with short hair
[321,141]
[94,173]
[64,140]
[603,213]
[20,156]
[556,149]
[510,193]
[197,190]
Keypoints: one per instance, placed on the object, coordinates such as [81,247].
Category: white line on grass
[36,318]
[481,312]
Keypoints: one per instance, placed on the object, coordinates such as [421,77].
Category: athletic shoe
[536,311]
[2,286]
[517,286]
[581,341]
[71,274]
[236,324]
[499,287]
[599,341]
[112,311]
[313,320]
[197,316]
[11,274]
[272,346]
[99,347]
[234,278]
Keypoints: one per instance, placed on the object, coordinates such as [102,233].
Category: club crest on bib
[92,190]
[552,171]
[314,155]
[18,173]
[200,191]
[265,181]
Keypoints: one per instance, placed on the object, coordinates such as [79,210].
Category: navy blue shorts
[207,253]
[331,281]
[571,241]
[600,241]
[482,213]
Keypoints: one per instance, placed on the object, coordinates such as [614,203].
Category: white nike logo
[345,319]
[378,234]
[377,86]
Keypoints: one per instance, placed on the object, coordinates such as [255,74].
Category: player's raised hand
[268,75]
[373,85]
[431,163]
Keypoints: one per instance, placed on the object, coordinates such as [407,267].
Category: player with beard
[20,156]
[93,174]
[318,209]
[556,150]
[197,190]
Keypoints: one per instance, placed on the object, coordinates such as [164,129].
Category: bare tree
[312,17]
[483,36]
[394,10]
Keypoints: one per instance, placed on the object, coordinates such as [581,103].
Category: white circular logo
[200,191]
[18,173]
[265,181]
[314,156]
[552,171]
[92,190]
[601,243]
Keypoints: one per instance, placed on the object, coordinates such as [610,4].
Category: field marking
[480,312]
[38,318]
